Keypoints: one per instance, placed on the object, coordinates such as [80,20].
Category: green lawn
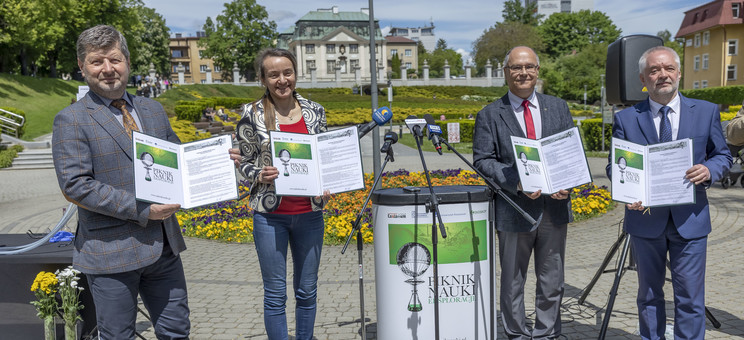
[39,98]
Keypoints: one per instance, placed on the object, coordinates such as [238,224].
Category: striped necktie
[129,123]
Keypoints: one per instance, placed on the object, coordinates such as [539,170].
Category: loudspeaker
[622,74]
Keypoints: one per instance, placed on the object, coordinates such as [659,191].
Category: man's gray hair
[643,61]
[506,59]
[100,37]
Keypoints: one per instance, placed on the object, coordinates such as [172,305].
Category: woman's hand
[268,174]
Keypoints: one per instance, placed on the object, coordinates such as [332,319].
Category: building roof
[337,16]
[712,14]
[399,39]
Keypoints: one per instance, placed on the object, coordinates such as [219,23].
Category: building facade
[185,51]
[406,49]
[423,34]
[328,41]
[713,34]
[548,7]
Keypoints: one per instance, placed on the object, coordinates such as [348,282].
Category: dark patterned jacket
[253,140]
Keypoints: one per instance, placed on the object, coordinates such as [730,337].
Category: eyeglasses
[526,68]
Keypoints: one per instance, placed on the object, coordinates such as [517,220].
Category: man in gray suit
[524,113]
[124,247]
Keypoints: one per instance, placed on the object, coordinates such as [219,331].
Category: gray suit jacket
[93,160]
[493,155]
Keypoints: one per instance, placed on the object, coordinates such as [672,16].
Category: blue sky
[459,25]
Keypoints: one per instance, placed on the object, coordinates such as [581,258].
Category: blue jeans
[304,234]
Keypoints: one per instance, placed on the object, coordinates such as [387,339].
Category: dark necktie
[529,125]
[665,126]
[129,123]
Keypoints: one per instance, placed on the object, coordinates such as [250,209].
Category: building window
[735,7]
[201,54]
[408,52]
[704,84]
[705,61]
[203,68]
[330,48]
[331,66]
[393,51]
[203,81]
[310,64]
[217,68]
[414,30]
[688,43]
[353,48]
[733,46]
[342,64]
[353,63]
[310,48]
[696,64]
[695,85]
[731,72]
[706,38]
[408,66]
[177,54]
[697,40]
[426,31]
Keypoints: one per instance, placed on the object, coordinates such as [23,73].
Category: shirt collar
[673,104]
[516,102]
[107,101]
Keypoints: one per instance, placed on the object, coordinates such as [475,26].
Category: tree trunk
[52,55]
[24,61]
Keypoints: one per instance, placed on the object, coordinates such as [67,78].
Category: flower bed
[232,221]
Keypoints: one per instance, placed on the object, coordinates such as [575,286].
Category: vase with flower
[45,289]
[69,292]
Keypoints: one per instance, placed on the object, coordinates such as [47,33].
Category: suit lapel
[686,121]
[507,116]
[103,116]
[646,122]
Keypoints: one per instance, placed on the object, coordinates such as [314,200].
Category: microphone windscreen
[429,119]
[382,115]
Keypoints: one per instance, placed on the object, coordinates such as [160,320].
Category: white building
[423,34]
[327,40]
[548,7]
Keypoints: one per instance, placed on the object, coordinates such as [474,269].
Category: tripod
[619,271]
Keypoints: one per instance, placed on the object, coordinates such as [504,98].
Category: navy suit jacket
[699,120]
[493,155]
[94,164]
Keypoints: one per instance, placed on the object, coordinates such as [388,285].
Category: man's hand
[533,195]
[635,206]
[326,195]
[698,174]
[162,211]
[235,156]
[560,195]
[268,174]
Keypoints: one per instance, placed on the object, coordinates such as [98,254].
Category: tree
[153,43]
[515,12]
[564,33]
[395,66]
[677,45]
[437,57]
[565,77]
[237,35]
[441,44]
[495,42]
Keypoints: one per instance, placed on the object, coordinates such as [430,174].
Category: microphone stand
[497,189]
[432,205]
[356,228]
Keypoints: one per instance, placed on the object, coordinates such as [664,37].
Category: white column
[446,72]
[181,70]
[489,71]
[236,74]
[209,75]
[426,72]
[467,74]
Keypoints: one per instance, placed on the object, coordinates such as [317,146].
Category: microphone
[390,139]
[435,132]
[379,117]
[416,125]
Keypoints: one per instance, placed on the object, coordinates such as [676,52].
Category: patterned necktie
[528,123]
[665,126]
[129,123]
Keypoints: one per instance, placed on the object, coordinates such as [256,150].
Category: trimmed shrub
[190,113]
[22,129]
[7,156]
[591,130]
[727,95]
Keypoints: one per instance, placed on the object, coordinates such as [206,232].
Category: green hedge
[727,95]
[191,113]
[7,156]
[22,130]
[591,129]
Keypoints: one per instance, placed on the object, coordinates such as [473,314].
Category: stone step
[33,159]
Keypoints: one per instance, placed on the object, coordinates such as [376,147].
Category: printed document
[191,174]
[552,163]
[652,174]
[311,164]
